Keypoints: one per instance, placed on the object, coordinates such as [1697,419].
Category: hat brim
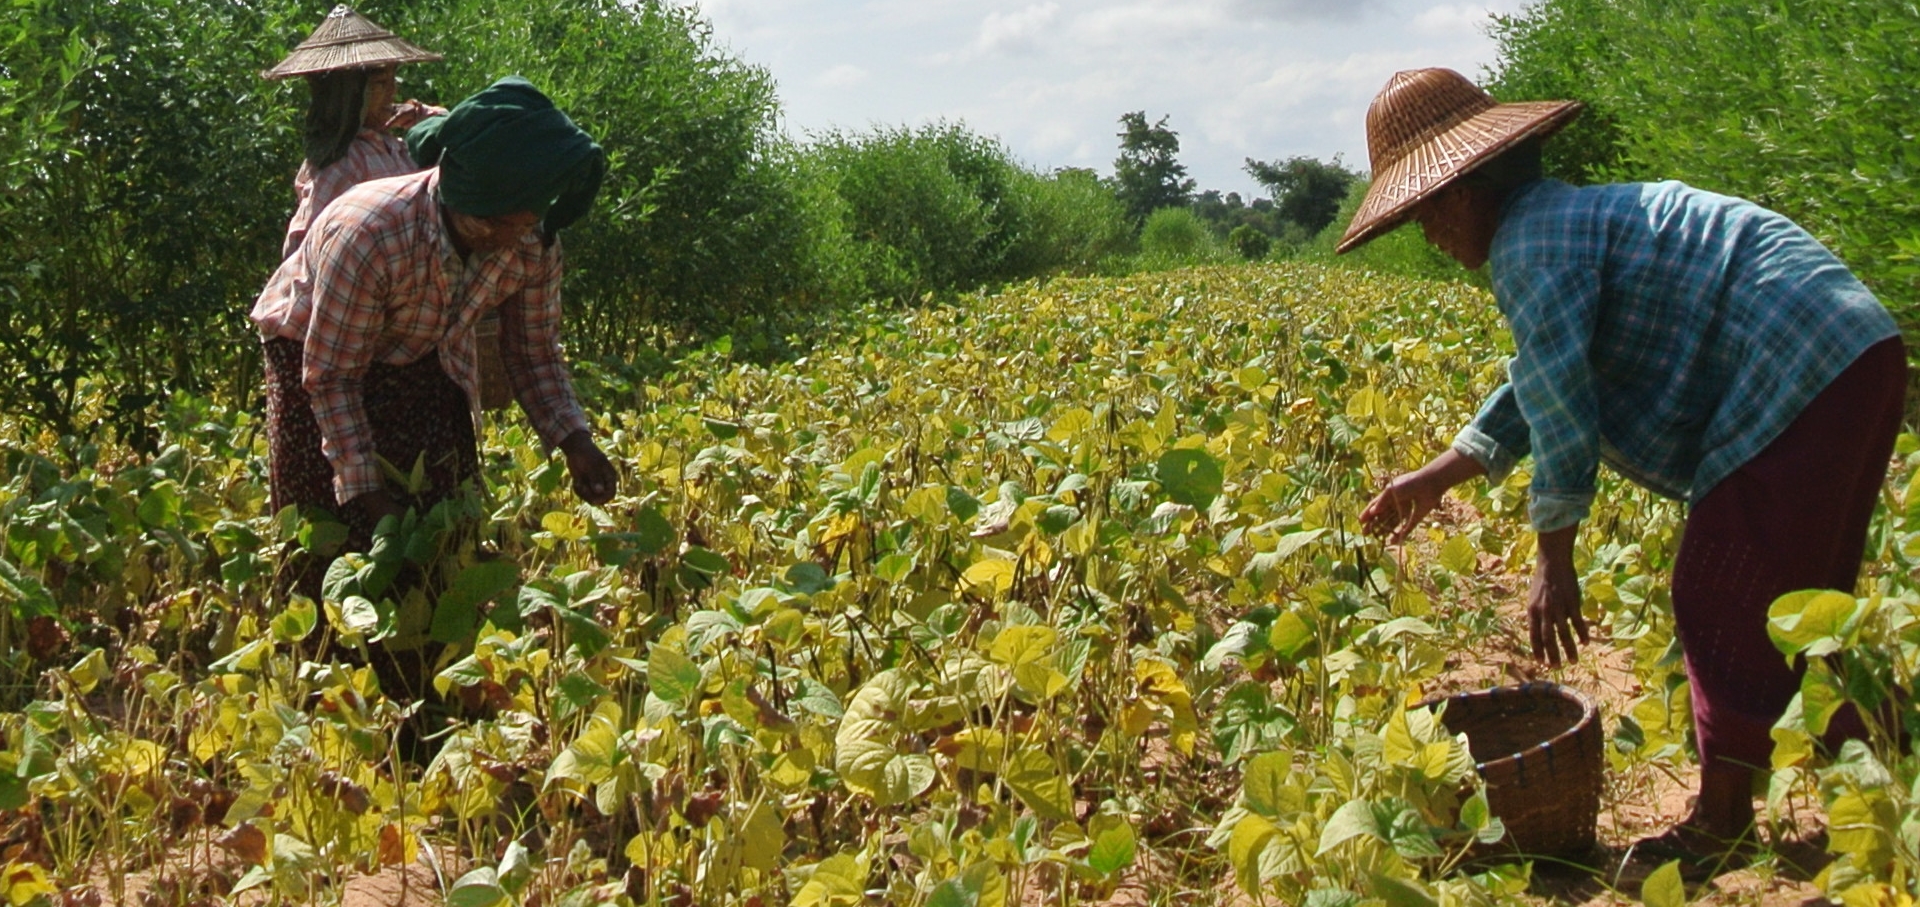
[1401,186]
[363,55]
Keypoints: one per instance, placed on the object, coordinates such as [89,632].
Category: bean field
[1051,596]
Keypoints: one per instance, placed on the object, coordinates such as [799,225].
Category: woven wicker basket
[495,392]
[1538,748]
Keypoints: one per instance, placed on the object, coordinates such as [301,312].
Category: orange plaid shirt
[378,280]
[372,155]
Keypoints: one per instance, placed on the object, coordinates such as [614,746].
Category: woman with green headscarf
[369,325]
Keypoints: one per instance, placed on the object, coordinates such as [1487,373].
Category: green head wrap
[508,149]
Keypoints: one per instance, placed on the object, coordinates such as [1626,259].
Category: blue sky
[1237,78]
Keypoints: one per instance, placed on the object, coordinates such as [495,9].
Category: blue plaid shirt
[1672,332]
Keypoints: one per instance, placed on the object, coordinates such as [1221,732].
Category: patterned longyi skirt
[414,410]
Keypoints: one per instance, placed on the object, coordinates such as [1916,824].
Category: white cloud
[843,75]
[1237,78]
[1309,10]
[1016,32]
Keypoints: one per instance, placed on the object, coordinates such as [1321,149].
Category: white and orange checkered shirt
[372,155]
[378,280]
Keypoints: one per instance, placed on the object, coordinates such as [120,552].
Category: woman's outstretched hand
[1395,511]
[1411,496]
[594,478]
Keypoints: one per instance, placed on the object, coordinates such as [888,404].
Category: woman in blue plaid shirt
[1704,347]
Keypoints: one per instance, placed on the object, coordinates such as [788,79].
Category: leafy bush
[131,259]
[1176,234]
[1250,242]
[1078,223]
[940,209]
[697,226]
[1813,112]
[132,255]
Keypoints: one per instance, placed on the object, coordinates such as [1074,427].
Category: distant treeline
[146,170]
[145,174]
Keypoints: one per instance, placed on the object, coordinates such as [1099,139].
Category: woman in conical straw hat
[1703,347]
[350,64]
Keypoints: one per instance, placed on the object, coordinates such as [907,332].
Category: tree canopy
[1148,172]
[1307,191]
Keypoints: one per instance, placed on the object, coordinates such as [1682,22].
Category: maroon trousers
[1794,517]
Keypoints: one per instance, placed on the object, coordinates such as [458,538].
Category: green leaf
[30,596]
[1398,892]
[672,676]
[652,532]
[1110,844]
[1055,519]
[1664,888]
[962,505]
[583,632]
[479,888]
[1353,819]
[296,620]
[458,610]
[1034,778]
[1189,476]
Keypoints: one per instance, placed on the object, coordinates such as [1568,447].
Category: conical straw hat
[1427,127]
[348,40]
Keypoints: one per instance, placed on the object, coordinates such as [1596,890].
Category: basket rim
[1589,714]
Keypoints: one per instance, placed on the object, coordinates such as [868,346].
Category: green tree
[1307,191]
[1250,242]
[1814,109]
[1148,173]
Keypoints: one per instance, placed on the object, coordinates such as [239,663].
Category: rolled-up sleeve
[530,350]
[1552,312]
[1498,436]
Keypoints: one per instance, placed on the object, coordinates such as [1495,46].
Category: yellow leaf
[839,879]
[1069,426]
[791,770]
[1022,645]
[564,525]
[1034,778]
[1398,747]
[763,837]
[1244,848]
[990,577]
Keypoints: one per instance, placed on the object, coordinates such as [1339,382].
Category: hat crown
[1417,105]
[348,40]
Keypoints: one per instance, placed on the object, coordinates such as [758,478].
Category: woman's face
[491,234]
[382,87]
[1458,222]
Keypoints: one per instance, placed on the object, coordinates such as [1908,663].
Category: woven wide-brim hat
[348,40]
[1429,126]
